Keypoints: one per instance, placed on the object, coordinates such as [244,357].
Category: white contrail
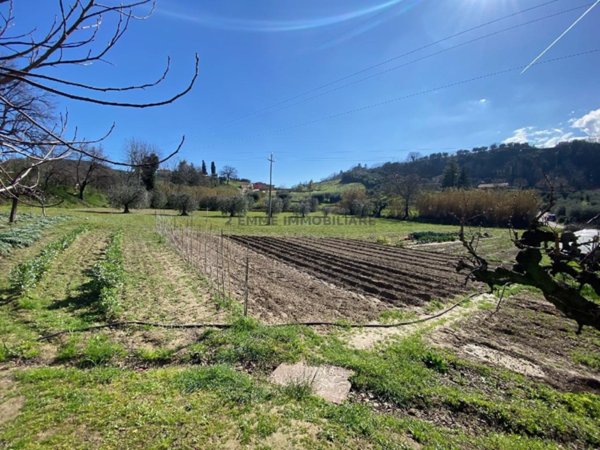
[560,37]
[238,24]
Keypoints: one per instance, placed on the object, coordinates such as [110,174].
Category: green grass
[284,224]
[588,359]
[431,379]
[91,197]
[254,346]
[135,388]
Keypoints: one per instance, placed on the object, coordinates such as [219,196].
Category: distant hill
[575,165]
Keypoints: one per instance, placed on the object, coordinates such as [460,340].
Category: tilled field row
[441,268]
[379,250]
[391,282]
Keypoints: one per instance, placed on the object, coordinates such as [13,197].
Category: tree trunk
[13,209]
[82,187]
[126,210]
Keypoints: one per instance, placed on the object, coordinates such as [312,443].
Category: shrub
[424,237]
[492,208]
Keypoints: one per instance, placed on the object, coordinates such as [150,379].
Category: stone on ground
[328,382]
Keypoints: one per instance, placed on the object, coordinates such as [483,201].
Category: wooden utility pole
[271,161]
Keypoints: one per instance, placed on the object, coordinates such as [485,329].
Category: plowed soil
[396,276]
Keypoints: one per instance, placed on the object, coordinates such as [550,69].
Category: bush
[424,237]
[479,207]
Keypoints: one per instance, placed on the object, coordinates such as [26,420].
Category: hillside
[573,165]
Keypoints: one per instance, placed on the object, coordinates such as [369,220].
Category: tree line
[572,164]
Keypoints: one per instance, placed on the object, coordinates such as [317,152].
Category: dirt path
[10,405]
[370,338]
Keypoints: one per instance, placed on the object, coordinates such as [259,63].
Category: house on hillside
[246,186]
[260,186]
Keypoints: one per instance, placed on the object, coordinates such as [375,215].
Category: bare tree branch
[28,131]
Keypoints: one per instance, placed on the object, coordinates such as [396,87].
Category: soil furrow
[395,259]
[369,269]
[357,282]
[389,288]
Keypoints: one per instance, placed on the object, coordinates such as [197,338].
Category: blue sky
[264,64]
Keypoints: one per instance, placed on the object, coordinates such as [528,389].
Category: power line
[271,161]
[432,90]
[587,11]
[388,60]
[423,58]
[420,93]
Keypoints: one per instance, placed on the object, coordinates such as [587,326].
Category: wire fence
[223,263]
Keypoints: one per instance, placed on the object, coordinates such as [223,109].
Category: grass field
[148,387]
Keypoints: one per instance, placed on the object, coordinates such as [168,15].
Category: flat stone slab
[328,382]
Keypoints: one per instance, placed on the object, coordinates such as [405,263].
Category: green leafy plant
[26,234]
[27,274]
[108,277]
[425,237]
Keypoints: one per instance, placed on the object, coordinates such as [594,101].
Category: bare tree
[407,187]
[413,156]
[71,39]
[87,167]
[144,158]
[228,173]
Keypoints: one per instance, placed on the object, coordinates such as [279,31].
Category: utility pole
[271,161]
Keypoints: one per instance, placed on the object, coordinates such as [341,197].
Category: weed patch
[427,237]
[231,385]
[99,350]
[254,346]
